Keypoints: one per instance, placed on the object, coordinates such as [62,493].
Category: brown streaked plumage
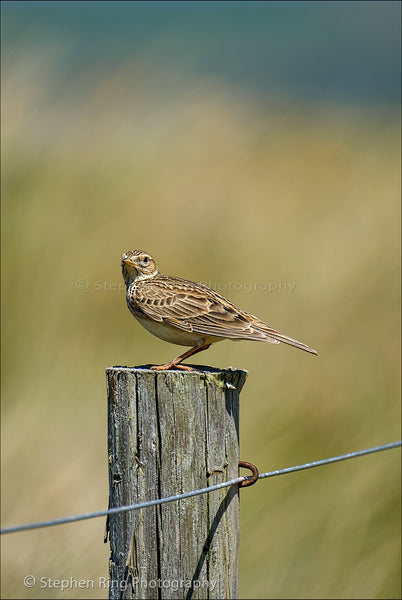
[188,313]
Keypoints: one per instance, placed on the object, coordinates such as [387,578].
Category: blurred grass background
[238,143]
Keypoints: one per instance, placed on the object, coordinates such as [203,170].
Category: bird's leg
[176,361]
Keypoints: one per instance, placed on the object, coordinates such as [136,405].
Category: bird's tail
[274,336]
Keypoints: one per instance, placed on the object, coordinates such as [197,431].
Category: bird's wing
[193,307]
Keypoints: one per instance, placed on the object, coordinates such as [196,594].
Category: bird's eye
[145,260]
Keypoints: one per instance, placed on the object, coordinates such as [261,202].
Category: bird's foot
[172,365]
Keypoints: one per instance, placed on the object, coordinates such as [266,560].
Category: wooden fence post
[171,432]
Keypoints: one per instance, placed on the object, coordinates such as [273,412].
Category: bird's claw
[172,365]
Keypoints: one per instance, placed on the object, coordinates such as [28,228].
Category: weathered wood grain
[172,432]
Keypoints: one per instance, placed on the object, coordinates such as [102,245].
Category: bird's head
[137,265]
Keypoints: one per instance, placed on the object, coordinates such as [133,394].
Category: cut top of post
[229,378]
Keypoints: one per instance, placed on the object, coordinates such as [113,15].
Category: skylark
[187,313]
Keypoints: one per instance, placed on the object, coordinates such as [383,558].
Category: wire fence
[212,488]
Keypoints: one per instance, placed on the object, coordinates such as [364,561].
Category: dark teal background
[320,51]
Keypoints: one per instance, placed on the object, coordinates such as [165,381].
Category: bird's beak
[127,261]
